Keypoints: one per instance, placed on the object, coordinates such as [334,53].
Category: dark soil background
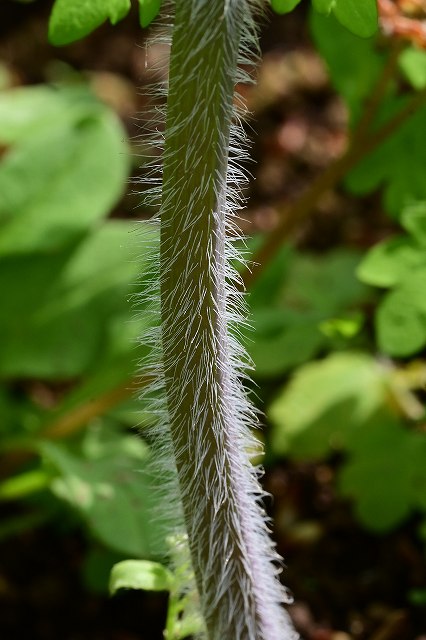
[347,583]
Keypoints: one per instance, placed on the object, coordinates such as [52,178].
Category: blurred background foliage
[336,221]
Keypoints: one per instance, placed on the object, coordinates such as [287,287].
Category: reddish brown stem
[292,216]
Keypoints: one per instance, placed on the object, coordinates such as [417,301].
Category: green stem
[236,581]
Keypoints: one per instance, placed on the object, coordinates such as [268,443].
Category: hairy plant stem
[216,483]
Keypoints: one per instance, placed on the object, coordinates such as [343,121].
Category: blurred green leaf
[291,301]
[323,284]
[346,327]
[24,484]
[400,262]
[26,110]
[284,6]
[140,574]
[73,19]
[400,324]
[413,219]
[324,402]
[412,63]
[417,459]
[396,165]
[323,6]
[67,312]
[354,63]
[283,340]
[269,285]
[382,474]
[148,10]
[112,492]
[19,417]
[359,16]
[61,179]
[391,262]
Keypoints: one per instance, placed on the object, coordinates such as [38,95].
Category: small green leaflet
[345,391]
[359,16]
[140,574]
[323,6]
[412,63]
[148,10]
[284,6]
[400,320]
[71,20]
[391,262]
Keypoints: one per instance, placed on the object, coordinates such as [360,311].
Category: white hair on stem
[204,417]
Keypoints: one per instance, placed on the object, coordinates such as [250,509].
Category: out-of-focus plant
[67,272]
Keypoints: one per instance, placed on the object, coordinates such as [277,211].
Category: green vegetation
[339,336]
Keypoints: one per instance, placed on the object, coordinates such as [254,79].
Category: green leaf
[414,288]
[391,262]
[272,278]
[56,183]
[323,6]
[113,494]
[148,10]
[24,110]
[354,64]
[397,165]
[383,503]
[412,63]
[20,417]
[284,6]
[324,402]
[417,456]
[67,313]
[140,574]
[345,327]
[73,19]
[323,285]
[380,475]
[400,325]
[44,339]
[359,16]
[24,484]
[413,219]
[304,291]
[283,340]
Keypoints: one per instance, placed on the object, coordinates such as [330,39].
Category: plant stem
[67,423]
[374,101]
[77,418]
[207,416]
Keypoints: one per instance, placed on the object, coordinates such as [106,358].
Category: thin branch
[294,214]
[379,91]
[74,421]
[70,423]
